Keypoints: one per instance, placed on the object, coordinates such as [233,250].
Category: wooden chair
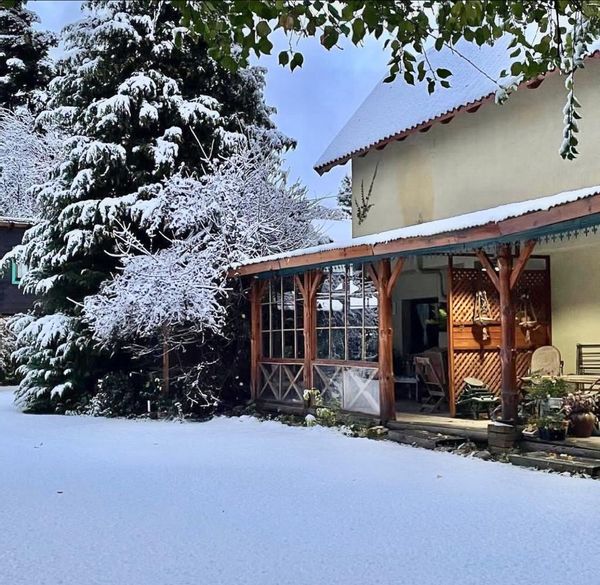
[546,361]
[434,387]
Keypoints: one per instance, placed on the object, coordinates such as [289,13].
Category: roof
[490,224]
[393,109]
[7,221]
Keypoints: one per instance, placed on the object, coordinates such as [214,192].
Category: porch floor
[472,429]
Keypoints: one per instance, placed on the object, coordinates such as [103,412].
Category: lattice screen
[478,358]
[281,382]
[348,387]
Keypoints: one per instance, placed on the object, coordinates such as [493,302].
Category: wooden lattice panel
[352,388]
[485,366]
[281,382]
[465,283]
[474,356]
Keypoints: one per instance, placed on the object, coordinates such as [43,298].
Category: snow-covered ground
[236,501]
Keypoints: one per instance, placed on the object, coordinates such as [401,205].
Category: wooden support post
[308,285]
[257,291]
[509,392]
[384,278]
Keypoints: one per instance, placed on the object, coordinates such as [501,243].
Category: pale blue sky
[313,103]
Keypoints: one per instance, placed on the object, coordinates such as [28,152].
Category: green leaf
[358,31]
[284,58]
[263,29]
[297,61]
[443,73]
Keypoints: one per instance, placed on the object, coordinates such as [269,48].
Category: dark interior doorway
[422,322]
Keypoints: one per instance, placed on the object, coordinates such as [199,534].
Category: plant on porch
[580,409]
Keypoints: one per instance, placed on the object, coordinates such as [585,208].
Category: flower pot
[547,434]
[582,424]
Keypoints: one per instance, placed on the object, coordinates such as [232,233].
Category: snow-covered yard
[236,501]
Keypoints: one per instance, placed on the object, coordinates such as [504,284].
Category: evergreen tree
[25,68]
[344,196]
[142,100]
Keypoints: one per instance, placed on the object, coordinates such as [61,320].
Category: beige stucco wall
[499,154]
[575,275]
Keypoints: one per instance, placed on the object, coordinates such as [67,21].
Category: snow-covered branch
[244,207]
[27,156]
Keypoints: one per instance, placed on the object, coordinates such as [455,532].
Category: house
[12,299]
[471,235]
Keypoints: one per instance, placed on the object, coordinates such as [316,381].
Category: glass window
[282,320]
[347,315]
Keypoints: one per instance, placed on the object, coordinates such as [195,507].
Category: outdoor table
[591,380]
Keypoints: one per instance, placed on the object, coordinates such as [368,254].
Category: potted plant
[547,394]
[580,409]
[552,427]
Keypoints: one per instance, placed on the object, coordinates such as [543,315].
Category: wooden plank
[557,463]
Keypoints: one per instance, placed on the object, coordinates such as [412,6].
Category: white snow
[109,502]
[440,226]
[395,107]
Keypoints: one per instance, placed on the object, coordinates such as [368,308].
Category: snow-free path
[235,501]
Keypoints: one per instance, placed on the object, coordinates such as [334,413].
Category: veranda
[348,320]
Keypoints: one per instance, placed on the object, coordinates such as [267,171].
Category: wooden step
[425,439]
[544,460]
[450,427]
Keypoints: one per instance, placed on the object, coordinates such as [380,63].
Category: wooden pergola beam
[396,271]
[509,228]
[489,268]
[521,263]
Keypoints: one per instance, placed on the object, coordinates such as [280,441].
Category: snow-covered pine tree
[344,196]
[143,100]
[25,68]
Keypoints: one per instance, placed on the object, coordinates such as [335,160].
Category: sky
[312,103]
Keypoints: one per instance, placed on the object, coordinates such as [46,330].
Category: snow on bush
[244,207]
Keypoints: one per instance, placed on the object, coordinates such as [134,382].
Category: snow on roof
[5,219]
[397,107]
[441,226]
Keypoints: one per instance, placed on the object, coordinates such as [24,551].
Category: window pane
[371,344]
[323,343]
[355,344]
[338,344]
[276,313]
[300,344]
[266,345]
[288,349]
[299,312]
[264,310]
[276,340]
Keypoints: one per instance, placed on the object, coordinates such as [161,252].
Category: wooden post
[505,282]
[509,393]
[308,286]
[257,291]
[384,278]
